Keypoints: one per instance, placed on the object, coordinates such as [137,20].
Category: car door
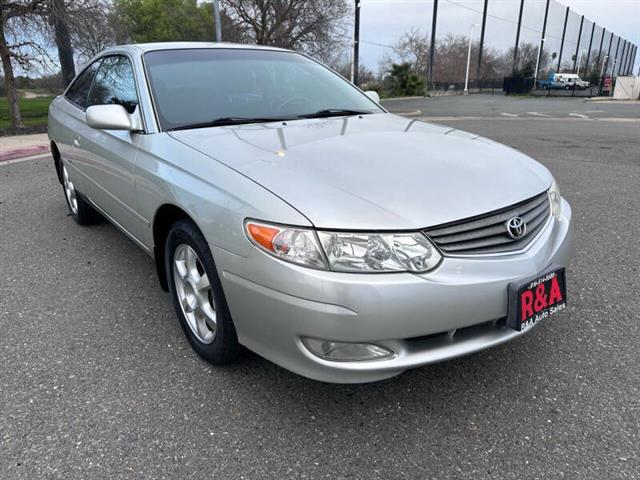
[73,112]
[109,155]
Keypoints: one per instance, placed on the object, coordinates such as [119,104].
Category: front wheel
[197,295]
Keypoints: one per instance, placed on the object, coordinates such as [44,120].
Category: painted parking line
[509,114]
[579,115]
[538,114]
[26,159]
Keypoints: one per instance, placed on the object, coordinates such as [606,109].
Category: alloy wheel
[194,293]
[69,191]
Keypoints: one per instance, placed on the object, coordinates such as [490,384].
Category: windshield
[200,86]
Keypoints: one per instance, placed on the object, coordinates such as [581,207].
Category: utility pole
[575,56]
[515,48]
[615,59]
[564,31]
[586,63]
[544,31]
[626,58]
[604,31]
[482,29]
[356,45]
[535,73]
[625,68]
[216,20]
[432,47]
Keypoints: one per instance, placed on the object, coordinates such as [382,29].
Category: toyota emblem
[516,227]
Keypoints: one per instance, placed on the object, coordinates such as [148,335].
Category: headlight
[555,199]
[296,245]
[346,252]
[379,252]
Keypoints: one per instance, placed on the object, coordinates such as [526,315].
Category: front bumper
[274,304]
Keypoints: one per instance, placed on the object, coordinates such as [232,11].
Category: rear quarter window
[79,90]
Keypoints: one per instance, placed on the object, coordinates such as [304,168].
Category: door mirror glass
[109,117]
[373,95]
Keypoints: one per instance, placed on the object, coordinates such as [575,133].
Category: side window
[79,91]
[114,84]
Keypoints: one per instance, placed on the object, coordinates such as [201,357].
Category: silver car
[287,211]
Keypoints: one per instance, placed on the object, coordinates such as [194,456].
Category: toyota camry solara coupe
[287,211]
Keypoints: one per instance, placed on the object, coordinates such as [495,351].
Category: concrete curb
[22,152]
[393,99]
[413,113]
[612,100]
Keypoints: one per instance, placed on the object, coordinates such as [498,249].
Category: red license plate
[537,298]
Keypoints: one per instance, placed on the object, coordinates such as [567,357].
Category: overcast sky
[384,21]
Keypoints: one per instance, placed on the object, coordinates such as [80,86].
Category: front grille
[488,233]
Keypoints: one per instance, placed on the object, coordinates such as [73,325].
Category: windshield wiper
[333,112]
[220,122]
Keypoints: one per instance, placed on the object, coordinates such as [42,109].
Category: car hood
[380,171]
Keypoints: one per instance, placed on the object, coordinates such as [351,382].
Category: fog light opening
[346,351]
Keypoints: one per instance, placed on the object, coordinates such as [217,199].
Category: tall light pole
[605,60]
[466,78]
[604,64]
[579,62]
[216,19]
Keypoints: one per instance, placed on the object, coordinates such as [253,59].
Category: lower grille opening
[419,343]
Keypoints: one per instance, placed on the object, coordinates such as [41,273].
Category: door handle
[76,143]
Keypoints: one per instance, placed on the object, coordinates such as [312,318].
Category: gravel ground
[97,380]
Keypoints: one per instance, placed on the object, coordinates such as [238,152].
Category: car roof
[149,47]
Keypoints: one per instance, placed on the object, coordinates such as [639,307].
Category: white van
[569,81]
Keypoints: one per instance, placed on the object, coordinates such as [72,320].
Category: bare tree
[412,48]
[18,46]
[527,58]
[315,27]
[450,57]
[343,66]
[104,31]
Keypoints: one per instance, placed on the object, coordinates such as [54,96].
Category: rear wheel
[81,211]
[197,294]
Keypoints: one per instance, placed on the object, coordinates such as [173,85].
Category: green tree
[403,80]
[172,20]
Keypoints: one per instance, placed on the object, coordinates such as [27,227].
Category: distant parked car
[571,80]
[567,81]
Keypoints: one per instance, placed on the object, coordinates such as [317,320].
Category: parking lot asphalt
[98,381]
[517,108]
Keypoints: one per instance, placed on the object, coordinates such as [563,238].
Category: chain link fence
[474,45]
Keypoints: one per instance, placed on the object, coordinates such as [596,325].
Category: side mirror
[373,95]
[109,117]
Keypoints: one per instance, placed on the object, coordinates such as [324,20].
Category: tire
[197,295]
[81,211]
